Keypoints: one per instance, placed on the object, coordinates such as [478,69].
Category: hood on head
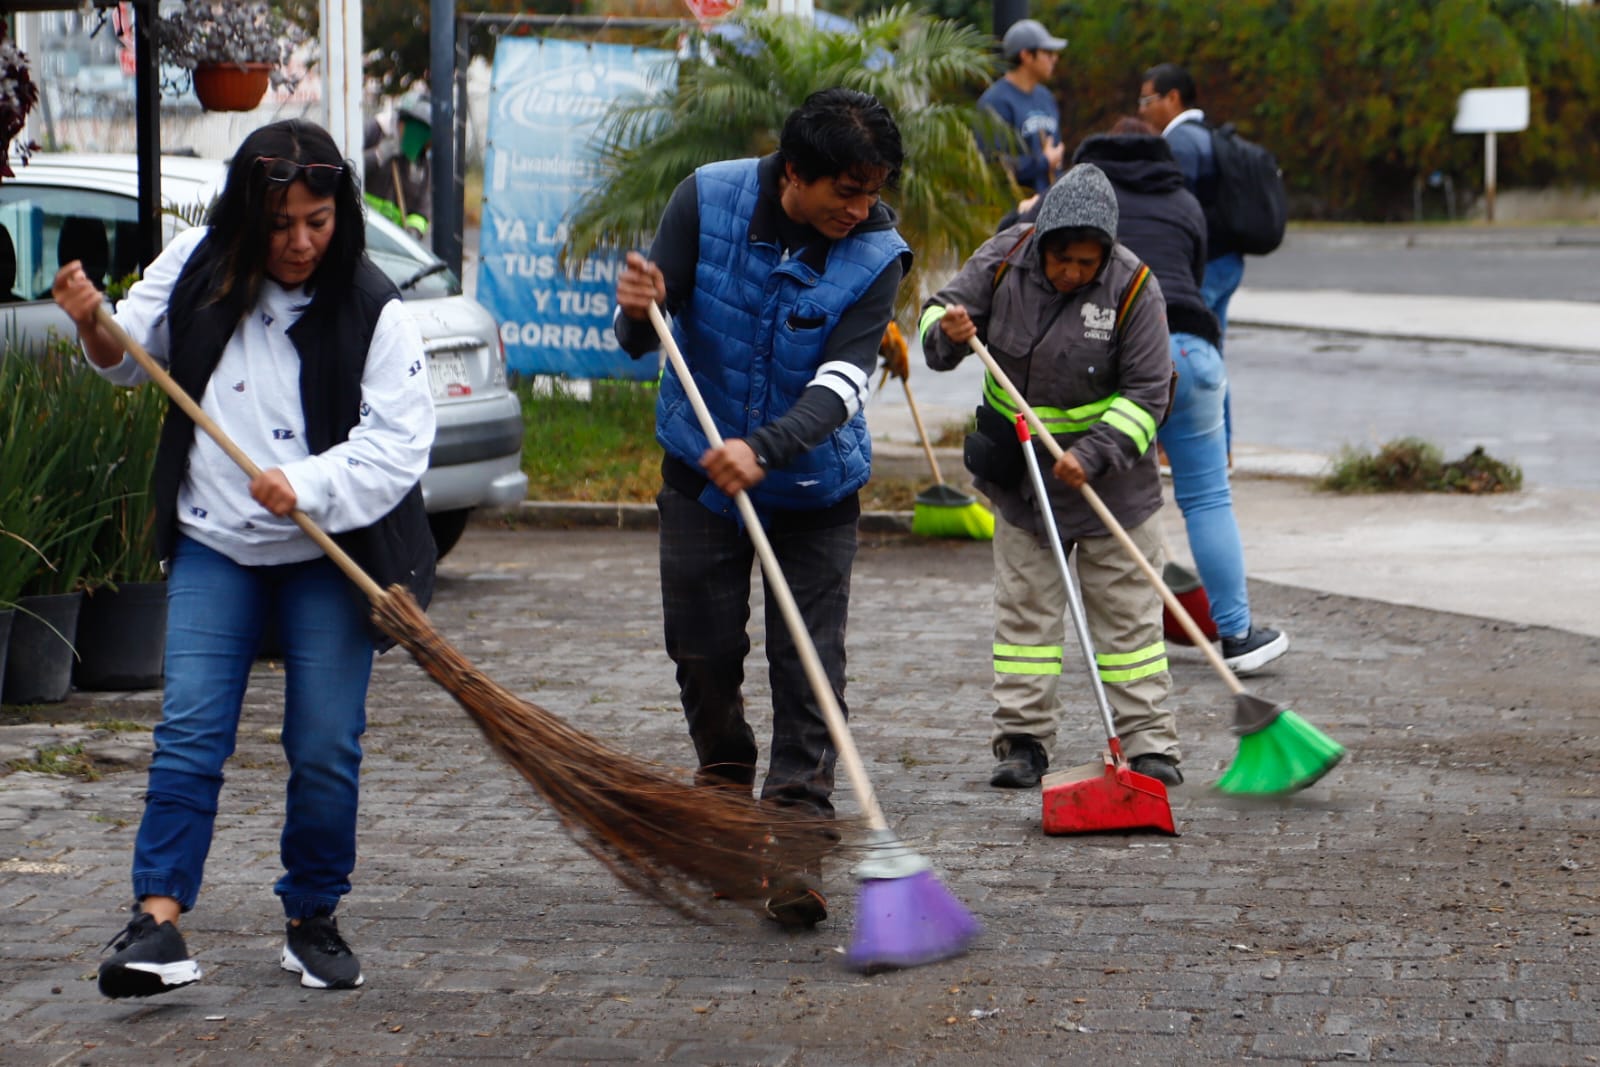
[1082,198]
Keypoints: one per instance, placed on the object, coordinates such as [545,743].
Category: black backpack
[1251,206]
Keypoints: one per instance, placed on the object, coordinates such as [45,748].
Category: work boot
[1257,648]
[1022,762]
[1163,769]
[795,901]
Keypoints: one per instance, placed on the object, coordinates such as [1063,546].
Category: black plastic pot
[6,615]
[122,637]
[40,653]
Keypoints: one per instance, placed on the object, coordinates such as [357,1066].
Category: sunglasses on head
[321,178]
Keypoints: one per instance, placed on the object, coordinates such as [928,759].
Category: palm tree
[732,100]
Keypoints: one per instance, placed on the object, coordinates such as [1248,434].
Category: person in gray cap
[1079,323]
[1021,99]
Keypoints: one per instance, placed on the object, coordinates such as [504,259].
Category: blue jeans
[216,609]
[1223,276]
[1194,442]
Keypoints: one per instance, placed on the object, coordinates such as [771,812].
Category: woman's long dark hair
[242,217]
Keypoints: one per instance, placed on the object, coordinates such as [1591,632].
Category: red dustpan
[1094,797]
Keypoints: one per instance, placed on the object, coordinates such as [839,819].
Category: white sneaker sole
[290,962]
[167,977]
[1257,658]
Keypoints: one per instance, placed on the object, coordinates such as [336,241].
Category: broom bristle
[667,839]
[1286,755]
[942,511]
[906,922]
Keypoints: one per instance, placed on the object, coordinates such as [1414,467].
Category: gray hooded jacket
[1102,386]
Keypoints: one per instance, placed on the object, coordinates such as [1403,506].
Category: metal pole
[147,129]
[1488,173]
[341,74]
[447,185]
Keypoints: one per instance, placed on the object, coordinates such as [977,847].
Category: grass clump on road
[1412,465]
[595,442]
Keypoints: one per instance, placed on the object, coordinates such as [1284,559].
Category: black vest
[332,337]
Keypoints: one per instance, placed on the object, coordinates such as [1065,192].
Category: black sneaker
[315,951]
[1163,769]
[1254,650]
[151,958]
[1022,762]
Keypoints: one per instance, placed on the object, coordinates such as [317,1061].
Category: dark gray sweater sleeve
[820,409]
[676,250]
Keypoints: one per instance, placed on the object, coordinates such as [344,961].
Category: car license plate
[447,372]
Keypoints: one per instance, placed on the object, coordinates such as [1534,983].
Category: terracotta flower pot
[231,86]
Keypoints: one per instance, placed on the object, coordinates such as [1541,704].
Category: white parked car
[64,207]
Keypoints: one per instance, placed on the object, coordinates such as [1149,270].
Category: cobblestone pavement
[1434,900]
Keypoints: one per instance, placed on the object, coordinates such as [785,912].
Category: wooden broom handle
[159,375]
[922,434]
[837,727]
[1042,433]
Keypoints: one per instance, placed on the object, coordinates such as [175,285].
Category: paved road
[1546,263]
[1434,900]
[1320,393]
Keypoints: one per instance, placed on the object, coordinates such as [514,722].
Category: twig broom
[1279,752]
[663,838]
[904,915]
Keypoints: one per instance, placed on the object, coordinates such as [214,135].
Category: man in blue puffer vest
[780,275]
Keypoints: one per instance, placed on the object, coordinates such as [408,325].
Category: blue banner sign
[546,98]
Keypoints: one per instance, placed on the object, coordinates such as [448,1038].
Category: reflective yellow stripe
[1027,659]
[929,317]
[1133,674]
[1152,659]
[1056,420]
[1033,651]
[1008,667]
[1122,659]
[1132,420]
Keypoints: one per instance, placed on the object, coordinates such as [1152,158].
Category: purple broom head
[906,922]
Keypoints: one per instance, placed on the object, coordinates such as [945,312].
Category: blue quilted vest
[753,335]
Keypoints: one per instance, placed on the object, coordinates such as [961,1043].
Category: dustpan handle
[1179,612]
[186,403]
[1074,603]
[837,728]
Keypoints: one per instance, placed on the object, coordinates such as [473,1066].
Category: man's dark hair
[841,131]
[1165,77]
[244,213]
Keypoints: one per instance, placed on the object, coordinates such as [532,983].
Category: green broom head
[942,511]
[1279,752]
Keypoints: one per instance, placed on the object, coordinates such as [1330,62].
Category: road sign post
[1491,111]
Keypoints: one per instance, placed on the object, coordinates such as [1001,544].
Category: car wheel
[447,527]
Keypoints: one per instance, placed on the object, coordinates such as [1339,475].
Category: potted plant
[52,503]
[122,627]
[18,94]
[232,50]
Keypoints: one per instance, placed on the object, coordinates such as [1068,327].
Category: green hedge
[1355,97]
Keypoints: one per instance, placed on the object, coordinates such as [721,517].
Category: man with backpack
[1237,183]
